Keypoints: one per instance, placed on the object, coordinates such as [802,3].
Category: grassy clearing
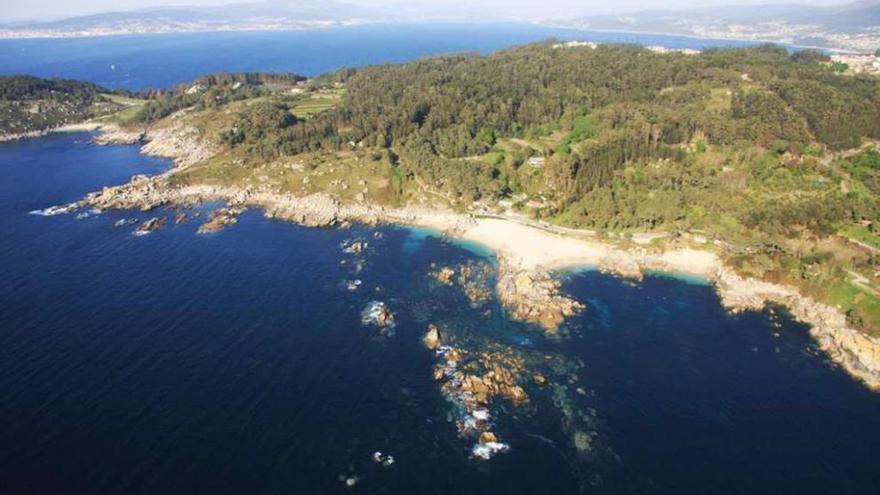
[848,296]
[862,234]
[720,100]
[316,103]
[123,100]
[130,108]
[128,114]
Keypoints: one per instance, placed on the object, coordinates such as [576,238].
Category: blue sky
[54,9]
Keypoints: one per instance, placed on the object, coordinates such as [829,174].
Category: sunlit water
[137,62]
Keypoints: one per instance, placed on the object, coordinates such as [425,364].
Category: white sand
[532,248]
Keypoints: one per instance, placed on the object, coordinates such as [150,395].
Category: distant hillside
[268,15]
[852,26]
[30,104]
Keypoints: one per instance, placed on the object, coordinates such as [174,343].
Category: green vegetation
[316,103]
[591,113]
[213,91]
[739,144]
[769,153]
[31,104]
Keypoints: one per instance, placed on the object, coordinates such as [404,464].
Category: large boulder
[432,338]
[488,437]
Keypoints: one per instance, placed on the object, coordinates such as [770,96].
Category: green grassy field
[848,296]
[862,234]
[316,103]
[131,107]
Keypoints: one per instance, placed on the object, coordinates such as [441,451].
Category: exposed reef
[533,296]
[220,219]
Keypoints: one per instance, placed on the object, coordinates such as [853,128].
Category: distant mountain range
[852,26]
[267,15]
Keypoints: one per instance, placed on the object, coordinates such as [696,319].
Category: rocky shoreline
[527,256]
[529,293]
[177,142]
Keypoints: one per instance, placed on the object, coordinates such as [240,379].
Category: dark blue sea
[149,61]
[238,362]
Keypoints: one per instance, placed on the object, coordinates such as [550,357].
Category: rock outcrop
[150,225]
[378,314]
[858,353]
[182,144]
[141,193]
[432,338]
[115,135]
[488,437]
[220,219]
[472,381]
[533,296]
[444,275]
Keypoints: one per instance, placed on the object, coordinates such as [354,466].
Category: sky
[16,10]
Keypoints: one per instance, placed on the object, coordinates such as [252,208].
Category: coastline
[67,35]
[756,41]
[527,255]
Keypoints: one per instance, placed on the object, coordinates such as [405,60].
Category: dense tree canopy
[32,104]
[609,108]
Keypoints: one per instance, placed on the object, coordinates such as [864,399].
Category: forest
[32,104]
[757,147]
[599,117]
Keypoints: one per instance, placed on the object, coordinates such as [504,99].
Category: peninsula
[753,168]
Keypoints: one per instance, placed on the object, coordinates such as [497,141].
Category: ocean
[152,61]
[242,361]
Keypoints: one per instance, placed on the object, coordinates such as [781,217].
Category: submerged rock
[472,277]
[539,379]
[355,247]
[582,441]
[384,460]
[444,275]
